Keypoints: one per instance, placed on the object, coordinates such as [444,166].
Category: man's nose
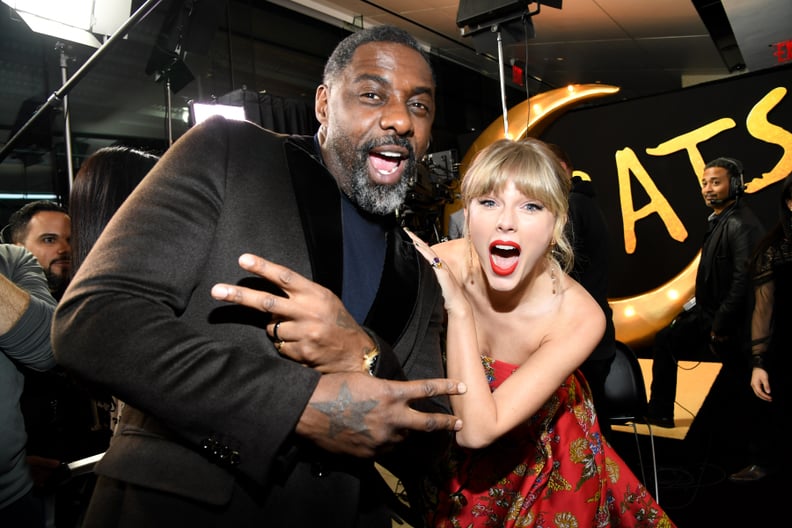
[396,116]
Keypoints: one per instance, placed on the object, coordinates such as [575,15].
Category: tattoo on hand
[345,320]
[346,414]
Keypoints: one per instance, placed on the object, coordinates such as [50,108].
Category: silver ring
[275,333]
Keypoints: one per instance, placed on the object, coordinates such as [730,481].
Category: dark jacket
[722,282]
[590,240]
[211,405]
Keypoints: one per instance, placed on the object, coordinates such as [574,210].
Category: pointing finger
[265,302]
[282,276]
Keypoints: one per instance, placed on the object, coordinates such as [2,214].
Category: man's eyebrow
[371,77]
[424,90]
[418,90]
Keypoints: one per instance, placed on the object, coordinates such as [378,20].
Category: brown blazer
[208,436]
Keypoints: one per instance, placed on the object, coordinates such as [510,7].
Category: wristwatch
[370,360]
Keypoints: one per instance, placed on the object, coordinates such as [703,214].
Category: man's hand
[313,326]
[359,415]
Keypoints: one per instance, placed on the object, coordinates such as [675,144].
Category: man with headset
[717,326]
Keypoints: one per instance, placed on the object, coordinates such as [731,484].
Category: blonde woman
[530,452]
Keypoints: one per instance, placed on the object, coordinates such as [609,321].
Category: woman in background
[104,181]
[530,452]
[771,340]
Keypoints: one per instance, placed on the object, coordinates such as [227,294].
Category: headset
[5,235]
[736,181]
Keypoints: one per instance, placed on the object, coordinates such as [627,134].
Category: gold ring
[279,345]
[437,263]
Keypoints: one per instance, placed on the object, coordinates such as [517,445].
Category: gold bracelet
[370,360]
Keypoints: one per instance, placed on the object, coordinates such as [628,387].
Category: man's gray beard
[377,199]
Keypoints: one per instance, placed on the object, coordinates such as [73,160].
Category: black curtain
[286,115]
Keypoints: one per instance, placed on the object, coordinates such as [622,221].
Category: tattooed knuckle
[268,304]
[431,424]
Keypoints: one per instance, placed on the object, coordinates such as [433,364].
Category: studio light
[202,111]
[76,20]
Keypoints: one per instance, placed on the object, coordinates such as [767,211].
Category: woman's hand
[760,383]
[453,294]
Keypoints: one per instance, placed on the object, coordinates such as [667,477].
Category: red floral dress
[555,471]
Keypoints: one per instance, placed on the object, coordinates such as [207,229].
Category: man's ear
[320,104]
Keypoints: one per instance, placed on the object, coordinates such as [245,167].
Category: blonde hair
[536,173]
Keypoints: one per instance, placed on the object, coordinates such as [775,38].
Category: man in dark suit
[270,410]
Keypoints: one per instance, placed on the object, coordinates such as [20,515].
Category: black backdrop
[594,135]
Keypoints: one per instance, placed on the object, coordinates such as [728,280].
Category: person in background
[104,181]
[456,224]
[26,308]
[183,310]
[44,229]
[717,326]
[60,415]
[101,185]
[771,339]
[530,452]
[588,232]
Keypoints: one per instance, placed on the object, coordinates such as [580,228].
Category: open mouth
[386,162]
[504,257]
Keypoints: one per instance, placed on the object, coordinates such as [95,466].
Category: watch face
[370,360]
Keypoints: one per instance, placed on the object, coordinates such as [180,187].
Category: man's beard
[57,283]
[369,196]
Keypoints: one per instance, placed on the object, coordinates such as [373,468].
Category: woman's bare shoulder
[579,306]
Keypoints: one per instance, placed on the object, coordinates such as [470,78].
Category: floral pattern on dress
[553,471]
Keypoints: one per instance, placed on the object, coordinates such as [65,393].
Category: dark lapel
[317,193]
[319,203]
[398,291]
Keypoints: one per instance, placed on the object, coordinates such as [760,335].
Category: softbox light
[200,112]
[74,20]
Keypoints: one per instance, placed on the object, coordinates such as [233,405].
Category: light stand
[168,109]
[188,27]
[64,59]
[501,77]
[63,91]
[498,26]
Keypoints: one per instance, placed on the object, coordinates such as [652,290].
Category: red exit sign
[783,51]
